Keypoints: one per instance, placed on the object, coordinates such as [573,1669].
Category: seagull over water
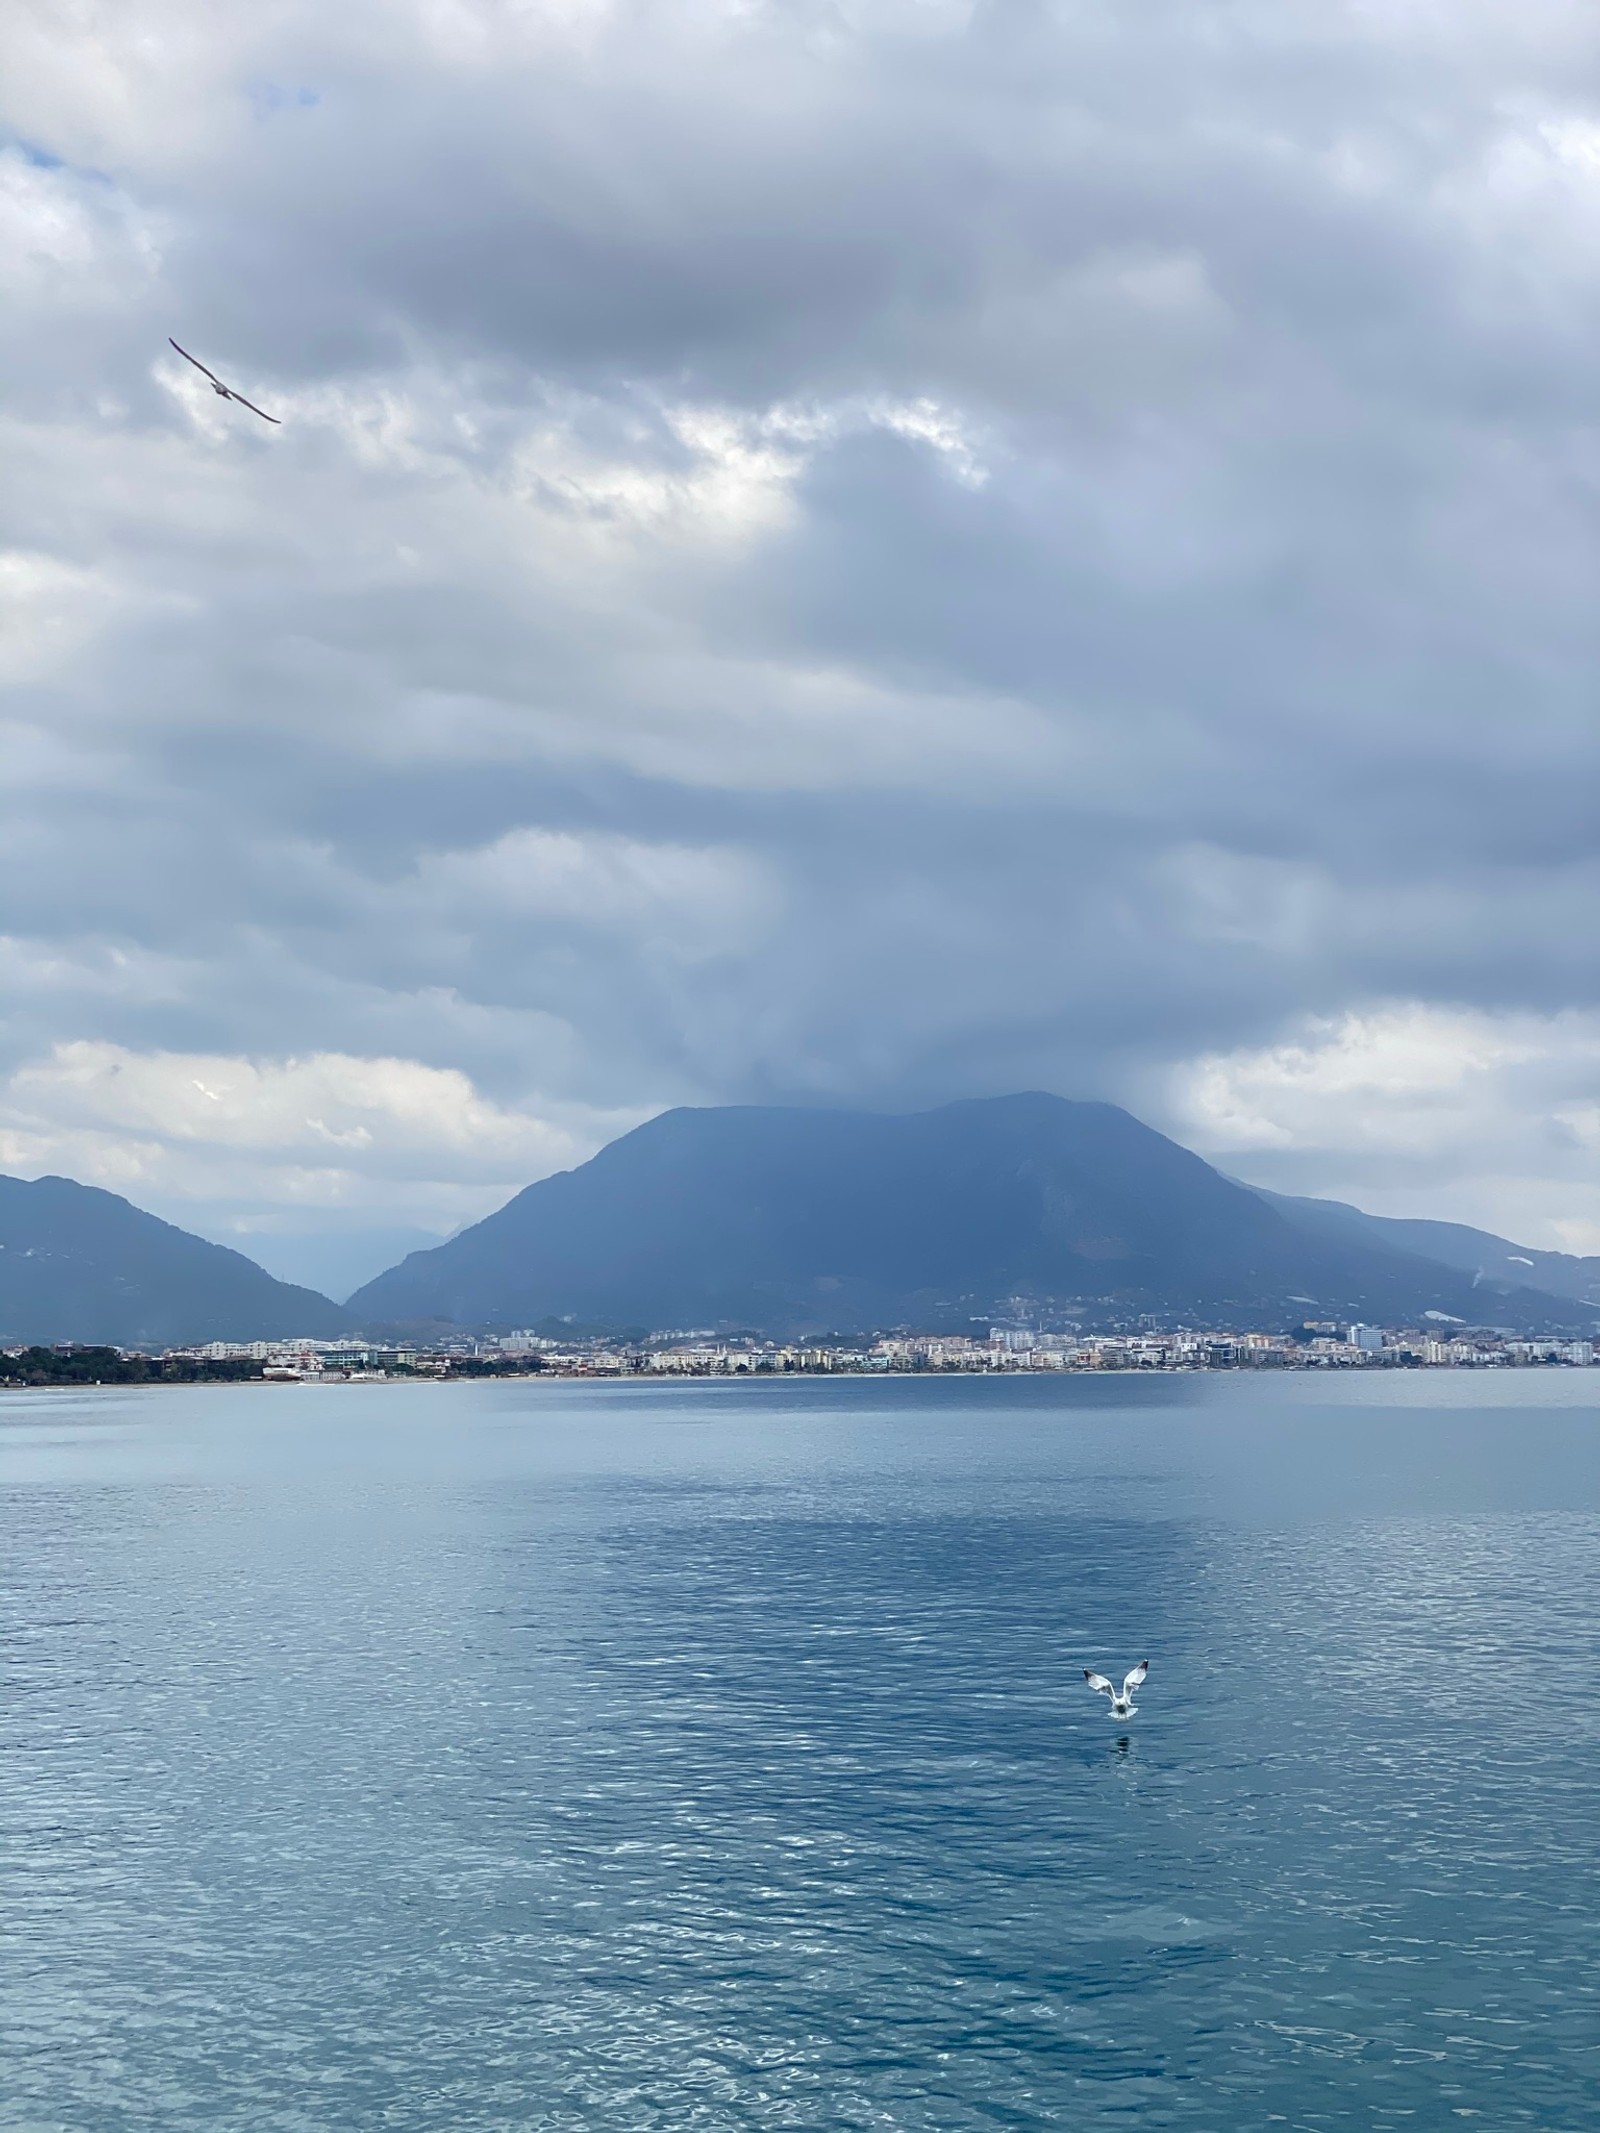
[217,385]
[1122,1704]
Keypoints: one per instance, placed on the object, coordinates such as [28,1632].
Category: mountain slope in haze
[1477,1252]
[797,1220]
[79,1264]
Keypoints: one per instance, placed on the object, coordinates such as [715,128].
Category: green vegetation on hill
[104,1366]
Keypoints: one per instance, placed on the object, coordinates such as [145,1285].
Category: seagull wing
[1099,1683]
[1135,1679]
[226,391]
[195,360]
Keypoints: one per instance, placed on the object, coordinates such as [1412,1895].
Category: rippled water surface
[716,1756]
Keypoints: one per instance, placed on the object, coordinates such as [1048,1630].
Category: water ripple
[712,1762]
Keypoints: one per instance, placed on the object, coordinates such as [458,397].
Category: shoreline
[666,1378]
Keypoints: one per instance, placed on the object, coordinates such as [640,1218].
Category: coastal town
[1005,1349]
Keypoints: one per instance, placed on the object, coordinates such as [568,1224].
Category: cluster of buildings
[1315,1346]
[1013,1348]
[337,1361]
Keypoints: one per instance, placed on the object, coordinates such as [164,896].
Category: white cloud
[897,553]
[325,1131]
[49,613]
[1414,1109]
[1400,1078]
[690,901]
[68,238]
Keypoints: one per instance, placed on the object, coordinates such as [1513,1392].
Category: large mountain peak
[792,1220]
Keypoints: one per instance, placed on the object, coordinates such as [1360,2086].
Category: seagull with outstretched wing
[217,385]
[1122,1704]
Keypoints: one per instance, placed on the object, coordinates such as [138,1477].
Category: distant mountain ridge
[79,1264]
[791,1221]
[1471,1251]
[797,1221]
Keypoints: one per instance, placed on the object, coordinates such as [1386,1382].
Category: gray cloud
[867,553]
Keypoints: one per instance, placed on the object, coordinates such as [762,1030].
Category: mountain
[78,1264]
[805,1220]
[1471,1251]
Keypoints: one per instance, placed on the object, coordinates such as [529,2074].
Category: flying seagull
[1122,1705]
[217,385]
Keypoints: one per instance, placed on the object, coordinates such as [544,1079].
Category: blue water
[717,1756]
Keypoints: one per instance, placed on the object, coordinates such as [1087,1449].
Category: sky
[861,553]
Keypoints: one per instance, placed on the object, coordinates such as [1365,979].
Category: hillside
[1477,1252]
[809,1220]
[79,1264]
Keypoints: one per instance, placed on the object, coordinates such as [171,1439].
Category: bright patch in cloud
[1411,1109]
[326,1130]
[693,901]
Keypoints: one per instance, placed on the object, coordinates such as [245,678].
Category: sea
[715,1755]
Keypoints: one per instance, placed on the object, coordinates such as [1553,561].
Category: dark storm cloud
[867,554]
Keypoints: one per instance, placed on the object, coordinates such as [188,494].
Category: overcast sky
[857,553]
